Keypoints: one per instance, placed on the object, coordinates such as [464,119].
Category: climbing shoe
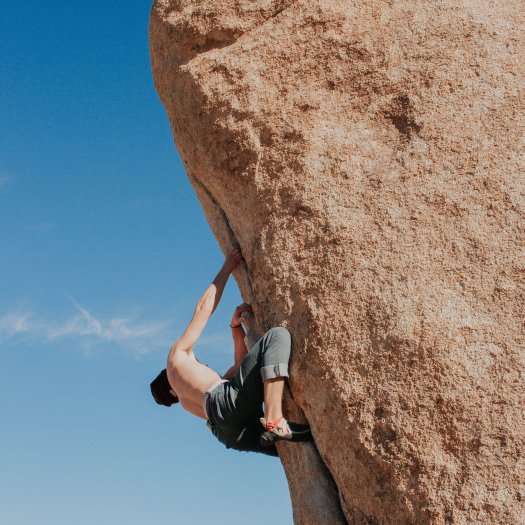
[283,430]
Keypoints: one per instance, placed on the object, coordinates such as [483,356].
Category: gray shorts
[234,406]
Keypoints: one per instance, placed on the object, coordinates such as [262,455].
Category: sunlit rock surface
[367,156]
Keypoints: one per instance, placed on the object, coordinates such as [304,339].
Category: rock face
[367,156]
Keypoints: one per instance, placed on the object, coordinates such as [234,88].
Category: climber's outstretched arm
[207,304]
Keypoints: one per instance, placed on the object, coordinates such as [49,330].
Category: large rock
[367,156]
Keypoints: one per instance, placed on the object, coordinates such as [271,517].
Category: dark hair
[160,390]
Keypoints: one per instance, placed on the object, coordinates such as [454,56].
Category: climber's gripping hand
[237,319]
[231,261]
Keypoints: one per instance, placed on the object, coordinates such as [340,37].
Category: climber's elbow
[206,303]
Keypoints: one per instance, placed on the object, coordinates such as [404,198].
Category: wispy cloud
[87,328]
[87,331]
[16,323]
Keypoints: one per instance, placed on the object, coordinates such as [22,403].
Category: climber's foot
[283,430]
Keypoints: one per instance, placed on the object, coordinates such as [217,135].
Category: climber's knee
[276,353]
[279,341]
[280,334]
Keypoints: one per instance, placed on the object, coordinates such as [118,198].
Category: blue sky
[103,252]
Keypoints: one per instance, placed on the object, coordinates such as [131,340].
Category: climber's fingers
[239,310]
[233,258]
[244,307]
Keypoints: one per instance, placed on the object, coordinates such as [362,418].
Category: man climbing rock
[232,404]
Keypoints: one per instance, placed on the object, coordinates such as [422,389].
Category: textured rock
[367,156]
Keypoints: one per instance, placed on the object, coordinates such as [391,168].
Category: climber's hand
[232,260]
[237,319]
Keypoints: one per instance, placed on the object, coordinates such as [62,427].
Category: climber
[232,404]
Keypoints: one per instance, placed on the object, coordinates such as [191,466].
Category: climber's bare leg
[273,397]
[276,426]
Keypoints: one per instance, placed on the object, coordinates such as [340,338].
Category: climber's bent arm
[239,345]
[239,352]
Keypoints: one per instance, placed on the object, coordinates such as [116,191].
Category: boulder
[367,157]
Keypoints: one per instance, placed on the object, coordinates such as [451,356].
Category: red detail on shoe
[270,425]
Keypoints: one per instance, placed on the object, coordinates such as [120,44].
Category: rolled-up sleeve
[274,371]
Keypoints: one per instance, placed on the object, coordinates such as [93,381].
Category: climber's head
[161,390]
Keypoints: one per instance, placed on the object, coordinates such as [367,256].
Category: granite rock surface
[368,158]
